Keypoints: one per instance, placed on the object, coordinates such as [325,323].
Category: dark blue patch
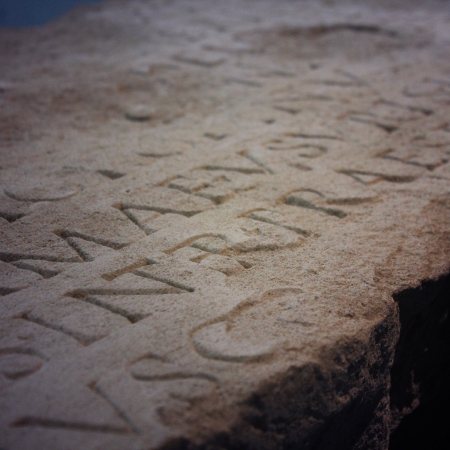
[24,13]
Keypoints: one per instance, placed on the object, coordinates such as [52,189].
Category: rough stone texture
[207,209]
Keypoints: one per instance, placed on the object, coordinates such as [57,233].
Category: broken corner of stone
[224,226]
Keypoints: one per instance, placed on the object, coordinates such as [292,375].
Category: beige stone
[208,212]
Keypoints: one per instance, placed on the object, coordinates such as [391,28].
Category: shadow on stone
[421,368]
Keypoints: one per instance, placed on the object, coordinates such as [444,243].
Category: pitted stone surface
[206,208]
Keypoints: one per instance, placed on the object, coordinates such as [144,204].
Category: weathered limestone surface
[206,210]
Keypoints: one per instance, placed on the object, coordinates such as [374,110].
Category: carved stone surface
[206,210]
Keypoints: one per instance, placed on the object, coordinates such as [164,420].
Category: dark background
[22,13]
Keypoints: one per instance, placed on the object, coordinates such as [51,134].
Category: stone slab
[206,210]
